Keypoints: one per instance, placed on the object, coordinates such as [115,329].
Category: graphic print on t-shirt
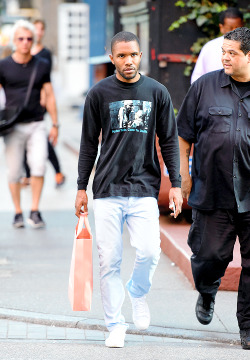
[130,115]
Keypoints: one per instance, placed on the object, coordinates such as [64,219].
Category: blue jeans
[142,217]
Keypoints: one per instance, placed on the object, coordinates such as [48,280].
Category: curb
[98,325]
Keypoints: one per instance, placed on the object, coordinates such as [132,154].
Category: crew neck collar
[22,64]
[241,83]
[128,85]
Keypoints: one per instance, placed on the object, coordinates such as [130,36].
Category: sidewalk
[34,267]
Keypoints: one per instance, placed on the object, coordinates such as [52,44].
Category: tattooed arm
[186,183]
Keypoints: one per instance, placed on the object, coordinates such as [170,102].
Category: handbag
[81,270]
[9,116]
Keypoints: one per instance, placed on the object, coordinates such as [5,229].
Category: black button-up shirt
[216,119]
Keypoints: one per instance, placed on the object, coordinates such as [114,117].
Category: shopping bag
[81,269]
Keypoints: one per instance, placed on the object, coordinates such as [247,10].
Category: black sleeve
[49,60]
[48,56]
[91,128]
[168,140]
[186,115]
[46,69]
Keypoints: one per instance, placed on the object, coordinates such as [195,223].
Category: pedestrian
[215,117]
[38,47]
[210,55]
[30,132]
[127,178]
[39,50]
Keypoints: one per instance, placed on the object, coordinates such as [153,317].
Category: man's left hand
[53,135]
[176,198]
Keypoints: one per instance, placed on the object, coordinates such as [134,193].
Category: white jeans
[32,137]
[142,217]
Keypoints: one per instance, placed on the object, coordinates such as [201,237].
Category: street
[172,349]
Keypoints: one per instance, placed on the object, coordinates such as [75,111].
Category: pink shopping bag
[81,269]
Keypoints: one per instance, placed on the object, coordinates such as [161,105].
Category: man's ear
[248,56]
[111,58]
[221,27]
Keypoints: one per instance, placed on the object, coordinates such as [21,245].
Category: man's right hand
[186,185]
[81,201]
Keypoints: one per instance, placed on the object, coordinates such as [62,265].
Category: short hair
[23,24]
[230,13]
[241,35]
[40,21]
[125,36]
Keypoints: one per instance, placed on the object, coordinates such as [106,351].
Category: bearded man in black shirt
[215,116]
[127,178]
[30,132]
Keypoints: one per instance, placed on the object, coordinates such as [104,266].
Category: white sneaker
[141,314]
[116,338]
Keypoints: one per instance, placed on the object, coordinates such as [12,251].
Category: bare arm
[186,185]
[52,110]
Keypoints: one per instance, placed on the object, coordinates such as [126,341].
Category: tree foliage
[205,14]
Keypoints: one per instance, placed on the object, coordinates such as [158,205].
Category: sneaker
[204,309]
[18,221]
[141,314]
[245,339]
[35,220]
[60,179]
[116,338]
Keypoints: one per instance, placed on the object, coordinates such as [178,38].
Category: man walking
[127,179]
[39,50]
[30,132]
[215,117]
[210,55]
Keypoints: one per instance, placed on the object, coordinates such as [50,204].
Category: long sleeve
[89,142]
[168,140]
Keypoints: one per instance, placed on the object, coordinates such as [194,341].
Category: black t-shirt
[14,78]
[45,54]
[129,115]
[242,87]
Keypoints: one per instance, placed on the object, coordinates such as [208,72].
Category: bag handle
[83,220]
[31,83]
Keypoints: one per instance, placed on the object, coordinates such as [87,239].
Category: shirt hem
[126,194]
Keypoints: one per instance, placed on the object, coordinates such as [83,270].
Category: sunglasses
[25,38]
